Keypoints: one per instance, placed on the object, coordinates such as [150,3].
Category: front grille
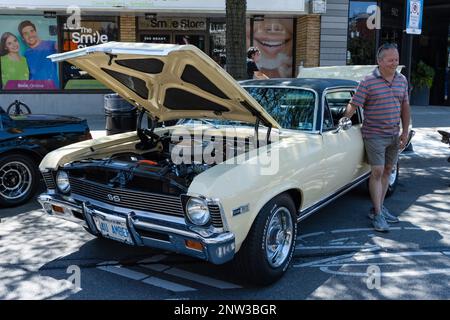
[216,218]
[131,199]
[49,180]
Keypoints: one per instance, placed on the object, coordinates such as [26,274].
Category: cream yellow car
[229,181]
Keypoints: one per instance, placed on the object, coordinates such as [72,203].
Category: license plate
[113,229]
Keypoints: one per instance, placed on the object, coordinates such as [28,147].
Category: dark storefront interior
[432,46]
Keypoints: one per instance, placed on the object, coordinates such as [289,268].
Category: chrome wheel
[279,237]
[15,180]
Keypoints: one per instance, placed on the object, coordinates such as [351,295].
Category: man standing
[383,95]
[253,56]
[40,67]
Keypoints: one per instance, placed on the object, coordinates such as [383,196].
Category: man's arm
[350,110]
[260,75]
[405,116]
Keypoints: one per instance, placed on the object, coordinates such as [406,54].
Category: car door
[343,150]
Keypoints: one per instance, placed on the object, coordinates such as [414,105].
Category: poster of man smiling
[25,43]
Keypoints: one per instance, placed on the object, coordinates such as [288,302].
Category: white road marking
[404,273]
[201,279]
[156,258]
[371,246]
[124,272]
[310,235]
[155,267]
[351,230]
[168,285]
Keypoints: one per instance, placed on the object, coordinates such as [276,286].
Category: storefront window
[177,30]
[25,43]
[274,38]
[217,36]
[361,38]
[93,31]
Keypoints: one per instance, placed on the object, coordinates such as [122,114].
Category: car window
[292,108]
[337,102]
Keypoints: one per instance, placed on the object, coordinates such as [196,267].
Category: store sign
[269,6]
[414,16]
[172,23]
[86,37]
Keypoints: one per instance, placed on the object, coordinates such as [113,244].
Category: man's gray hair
[383,48]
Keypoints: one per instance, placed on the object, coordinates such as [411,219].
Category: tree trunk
[235,38]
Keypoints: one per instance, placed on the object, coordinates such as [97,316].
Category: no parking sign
[414,10]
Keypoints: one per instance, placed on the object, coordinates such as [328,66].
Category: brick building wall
[308,41]
[128,28]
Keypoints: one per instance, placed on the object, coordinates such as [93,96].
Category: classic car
[230,181]
[24,141]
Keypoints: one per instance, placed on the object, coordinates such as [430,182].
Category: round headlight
[62,181]
[197,211]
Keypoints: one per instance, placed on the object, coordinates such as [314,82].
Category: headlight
[62,181]
[197,211]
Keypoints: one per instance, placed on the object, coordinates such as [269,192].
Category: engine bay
[169,167]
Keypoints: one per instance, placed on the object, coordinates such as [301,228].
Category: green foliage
[422,75]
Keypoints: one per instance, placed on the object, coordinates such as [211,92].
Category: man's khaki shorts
[382,151]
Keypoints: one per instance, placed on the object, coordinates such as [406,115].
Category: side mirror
[344,124]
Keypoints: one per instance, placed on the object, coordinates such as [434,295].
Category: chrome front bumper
[156,233]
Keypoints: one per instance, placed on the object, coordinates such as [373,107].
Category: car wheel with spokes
[266,253]
[19,178]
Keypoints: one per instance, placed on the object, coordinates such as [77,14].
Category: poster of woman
[13,65]
[25,44]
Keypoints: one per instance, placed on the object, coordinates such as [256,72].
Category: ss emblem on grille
[114,198]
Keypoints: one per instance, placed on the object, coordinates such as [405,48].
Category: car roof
[317,84]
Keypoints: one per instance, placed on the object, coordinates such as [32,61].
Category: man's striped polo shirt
[381,102]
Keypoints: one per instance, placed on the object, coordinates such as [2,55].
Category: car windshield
[292,108]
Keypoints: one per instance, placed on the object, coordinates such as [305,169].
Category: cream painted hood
[169,81]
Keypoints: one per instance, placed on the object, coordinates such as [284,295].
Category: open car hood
[169,81]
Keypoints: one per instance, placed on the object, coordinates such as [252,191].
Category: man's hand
[403,140]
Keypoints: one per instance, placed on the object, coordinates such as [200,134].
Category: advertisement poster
[90,32]
[25,43]
[274,38]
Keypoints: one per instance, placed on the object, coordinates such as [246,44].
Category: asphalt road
[338,255]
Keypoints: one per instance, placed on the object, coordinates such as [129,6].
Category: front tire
[266,253]
[19,179]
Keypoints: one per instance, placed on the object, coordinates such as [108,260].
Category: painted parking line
[371,246]
[153,259]
[201,279]
[168,285]
[115,268]
[155,267]
[124,272]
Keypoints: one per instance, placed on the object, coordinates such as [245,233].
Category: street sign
[414,11]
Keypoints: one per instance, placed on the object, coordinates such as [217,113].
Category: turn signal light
[58,209]
[194,245]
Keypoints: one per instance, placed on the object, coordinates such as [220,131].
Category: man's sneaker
[380,224]
[389,217]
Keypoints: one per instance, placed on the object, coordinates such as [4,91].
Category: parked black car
[24,141]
